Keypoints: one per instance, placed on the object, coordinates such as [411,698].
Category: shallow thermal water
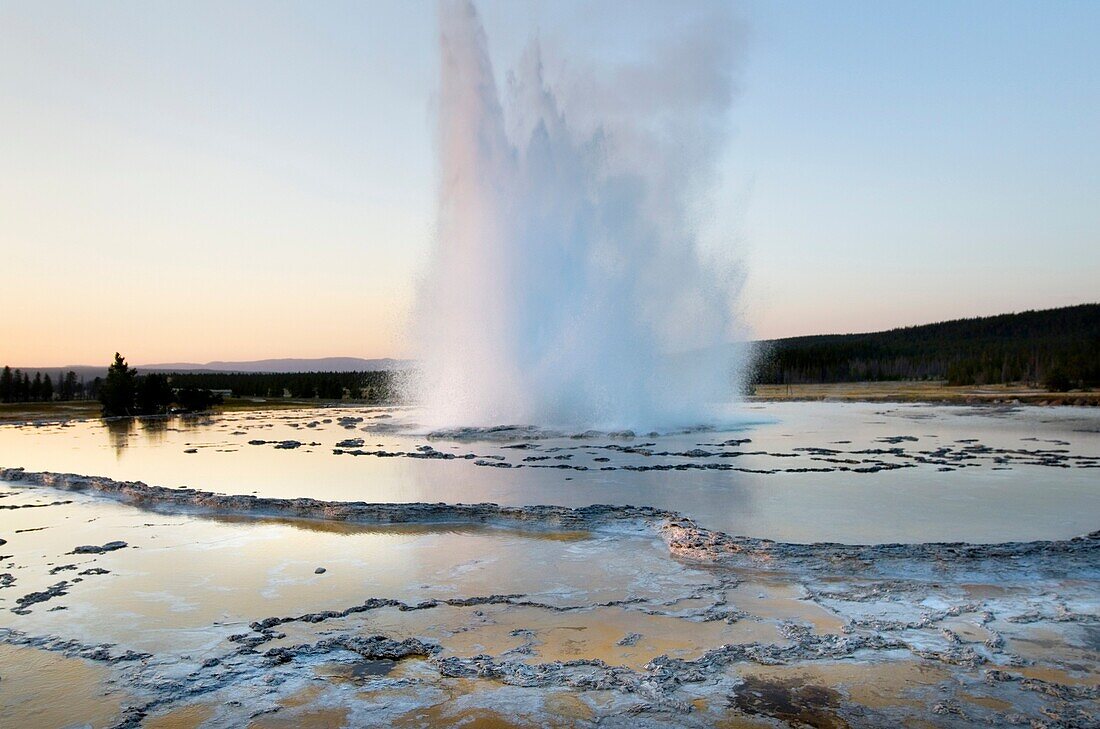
[125,606]
[988,487]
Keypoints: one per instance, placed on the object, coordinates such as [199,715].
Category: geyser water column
[567,287]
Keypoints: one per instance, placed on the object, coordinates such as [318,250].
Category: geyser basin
[452,616]
[423,623]
[853,473]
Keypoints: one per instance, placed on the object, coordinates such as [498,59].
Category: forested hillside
[1057,348]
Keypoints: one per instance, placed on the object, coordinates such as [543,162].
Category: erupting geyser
[567,286]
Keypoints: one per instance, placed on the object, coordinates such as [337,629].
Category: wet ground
[133,605]
[799,472]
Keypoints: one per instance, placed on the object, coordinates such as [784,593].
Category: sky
[240,180]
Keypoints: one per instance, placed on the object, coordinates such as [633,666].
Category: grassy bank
[18,412]
[923,391]
[76,409]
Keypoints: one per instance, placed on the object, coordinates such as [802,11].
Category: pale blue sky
[200,180]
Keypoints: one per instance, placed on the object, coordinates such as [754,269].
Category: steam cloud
[568,286]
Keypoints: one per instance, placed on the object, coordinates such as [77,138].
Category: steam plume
[568,287]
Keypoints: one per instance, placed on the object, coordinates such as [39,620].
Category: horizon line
[198,365]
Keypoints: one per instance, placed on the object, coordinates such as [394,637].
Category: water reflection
[404,529]
[118,434]
[154,430]
[237,453]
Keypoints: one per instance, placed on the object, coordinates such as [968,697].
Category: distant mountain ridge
[287,364]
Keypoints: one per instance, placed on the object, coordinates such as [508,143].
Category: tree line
[1055,348]
[124,392]
[374,387]
[18,386]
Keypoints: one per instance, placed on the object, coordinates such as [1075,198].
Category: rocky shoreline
[685,538]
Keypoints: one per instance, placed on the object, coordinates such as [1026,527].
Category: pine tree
[7,385]
[154,395]
[118,392]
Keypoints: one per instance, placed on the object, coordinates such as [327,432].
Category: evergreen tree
[195,400]
[7,385]
[66,386]
[47,388]
[118,392]
[17,386]
[1057,380]
[303,389]
[36,387]
[154,395]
